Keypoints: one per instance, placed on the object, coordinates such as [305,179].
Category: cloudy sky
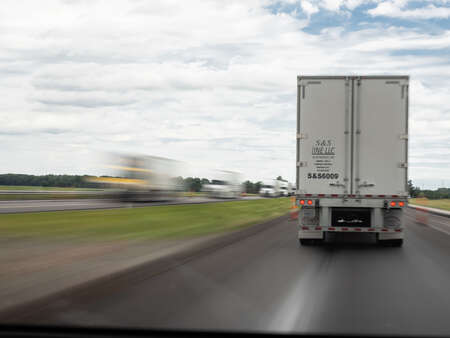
[212,83]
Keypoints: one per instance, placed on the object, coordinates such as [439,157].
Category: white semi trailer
[352,151]
[226,184]
[270,188]
[142,178]
[285,188]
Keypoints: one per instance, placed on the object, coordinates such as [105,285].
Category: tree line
[439,193]
[188,183]
[75,181]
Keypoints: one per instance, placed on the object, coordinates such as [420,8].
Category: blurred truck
[285,188]
[225,185]
[143,178]
[352,153]
[270,188]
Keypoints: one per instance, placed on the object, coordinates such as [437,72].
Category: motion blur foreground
[143,178]
[226,185]
[151,178]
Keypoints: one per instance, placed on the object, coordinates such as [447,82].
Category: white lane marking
[295,310]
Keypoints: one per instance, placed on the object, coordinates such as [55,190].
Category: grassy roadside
[443,204]
[178,221]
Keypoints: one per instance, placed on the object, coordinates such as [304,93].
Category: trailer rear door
[323,135]
[380,127]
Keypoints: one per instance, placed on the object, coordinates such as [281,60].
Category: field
[50,196]
[46,193]
[443,204]
[158,222]
[30,187]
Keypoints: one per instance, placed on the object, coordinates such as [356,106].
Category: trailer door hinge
[302,164]
[403,136]
[302,136]
[403,165]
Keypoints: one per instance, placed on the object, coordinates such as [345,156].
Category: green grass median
[157,222]
[443,204]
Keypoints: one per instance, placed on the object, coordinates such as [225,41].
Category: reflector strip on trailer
[350,196]
[338,229]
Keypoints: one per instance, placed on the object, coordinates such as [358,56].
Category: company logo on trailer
[323,147]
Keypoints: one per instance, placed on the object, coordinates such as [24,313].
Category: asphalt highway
[19,206]
[267,282]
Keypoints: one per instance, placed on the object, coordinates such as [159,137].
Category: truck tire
[310,241]
[396,243]
[306,241]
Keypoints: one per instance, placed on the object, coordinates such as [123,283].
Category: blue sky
[211,83]
[359,17]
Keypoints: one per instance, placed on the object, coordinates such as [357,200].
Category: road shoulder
[435,211]
[23,290]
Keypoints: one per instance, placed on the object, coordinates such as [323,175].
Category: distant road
[267,282]
[88,204]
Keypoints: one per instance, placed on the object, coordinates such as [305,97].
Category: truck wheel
[310,241]
[396,243]
[306,241]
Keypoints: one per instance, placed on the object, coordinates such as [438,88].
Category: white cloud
[396,9]
[209,82]
[308,7]
[338,5]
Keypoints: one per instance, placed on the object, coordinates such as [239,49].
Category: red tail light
[392,204]
[401,204]
[310,202]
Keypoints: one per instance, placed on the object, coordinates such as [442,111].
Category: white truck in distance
[225,185]
[285,188]
[352,151]
[270,188]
